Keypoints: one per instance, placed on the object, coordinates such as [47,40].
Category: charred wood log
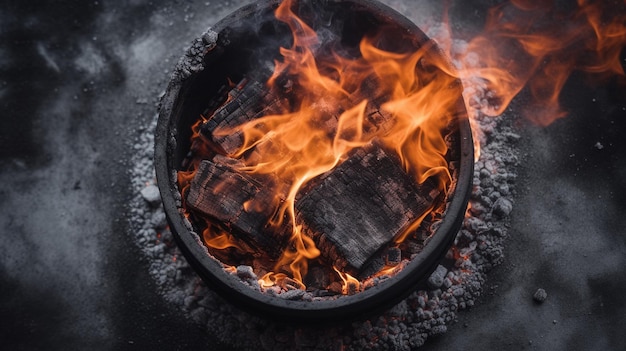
[355,211]
[352,212]
[250,99]
[242,104]
[222,193]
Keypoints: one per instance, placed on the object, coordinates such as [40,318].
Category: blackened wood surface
[224,194]
[250,99]
[359,207]
[352,212]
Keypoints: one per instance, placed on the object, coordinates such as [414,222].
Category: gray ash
[455,285]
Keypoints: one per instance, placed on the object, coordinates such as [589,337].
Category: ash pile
[455,285]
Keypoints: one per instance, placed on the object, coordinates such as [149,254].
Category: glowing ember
[350,284]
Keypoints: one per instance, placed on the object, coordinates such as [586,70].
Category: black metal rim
[344,308]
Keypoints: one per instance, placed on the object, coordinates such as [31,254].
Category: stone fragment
[540,295]
[210,39]
[502,207]
[152,195]
[436,278]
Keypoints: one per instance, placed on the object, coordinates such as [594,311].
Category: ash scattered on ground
[454,285]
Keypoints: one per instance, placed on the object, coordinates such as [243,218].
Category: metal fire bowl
[241,37]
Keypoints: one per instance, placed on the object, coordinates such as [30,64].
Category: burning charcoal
[378,120]
[359,207]
[220,192]
[152,195]
[352,288]
[317,277]
[335,287]
[290,284]
[394,256]
[540,295]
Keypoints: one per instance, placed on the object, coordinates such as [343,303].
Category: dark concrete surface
[568,236]
[78,81]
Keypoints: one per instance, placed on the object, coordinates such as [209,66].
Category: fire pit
[229,69]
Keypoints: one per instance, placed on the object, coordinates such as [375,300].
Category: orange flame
[218,240]
[230,269]
[280,279]
[389,270]
[198,147]
[532,44]
[350,284]
[329,119]
[526,44]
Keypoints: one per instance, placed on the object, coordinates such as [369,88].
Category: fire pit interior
[314,157]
